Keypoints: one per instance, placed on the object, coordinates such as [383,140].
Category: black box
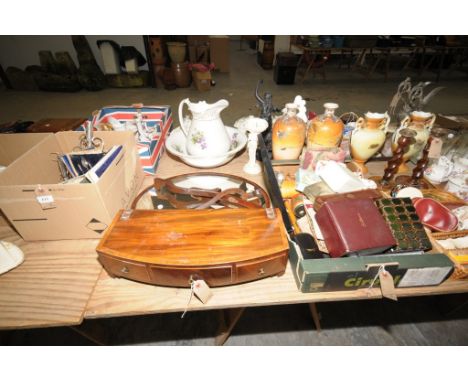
[285,68]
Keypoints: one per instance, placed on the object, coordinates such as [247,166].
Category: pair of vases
[290,132]
[370,133]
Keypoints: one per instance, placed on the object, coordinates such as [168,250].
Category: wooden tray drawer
[254,270]
[127,269]
[214,276]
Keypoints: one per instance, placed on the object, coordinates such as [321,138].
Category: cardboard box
[219,53]
[157,118]
[202,54]
[82,211]
[12,146]
[198,40]
[202,80]
[350,273]
[192,50]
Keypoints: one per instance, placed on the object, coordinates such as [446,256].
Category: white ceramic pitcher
[205,133]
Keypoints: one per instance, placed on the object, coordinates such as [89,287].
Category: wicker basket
[442,196]
[458,256]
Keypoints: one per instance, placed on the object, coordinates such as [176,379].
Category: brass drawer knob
[261,271]
[124,270]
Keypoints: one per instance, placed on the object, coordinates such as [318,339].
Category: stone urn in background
[325,130]
[182,74]
[421,123]
[288,134]
[368,138]
[177,51]
[157,51]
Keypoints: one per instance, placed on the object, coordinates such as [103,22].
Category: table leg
[227,320]
[307,72]
[360,60]
[441,64]
[421,62]
[350,59]
[430,61]
[92,330]
[315,316]
[387,65]
[378,58]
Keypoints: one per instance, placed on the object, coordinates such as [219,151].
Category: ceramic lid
[331,105]
[421,114]
[371,115]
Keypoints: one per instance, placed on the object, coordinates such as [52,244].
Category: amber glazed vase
[325,130]
[289,132]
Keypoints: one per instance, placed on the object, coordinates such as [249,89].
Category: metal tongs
[88,141]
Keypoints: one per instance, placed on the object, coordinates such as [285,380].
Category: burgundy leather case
[354,226]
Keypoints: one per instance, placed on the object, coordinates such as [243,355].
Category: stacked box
[41,207]
[150,143]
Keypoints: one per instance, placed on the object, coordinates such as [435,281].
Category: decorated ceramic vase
[420,122]
[325,130]
[289,132]
[368,138]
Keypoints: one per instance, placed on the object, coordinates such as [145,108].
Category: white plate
[10,256]
[175,144]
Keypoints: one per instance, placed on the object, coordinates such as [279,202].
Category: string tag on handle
[192,283]
[387,285]
[202,291]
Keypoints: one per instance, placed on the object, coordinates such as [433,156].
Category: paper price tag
[435,149]
[202,291]
[387,285]
[45,199]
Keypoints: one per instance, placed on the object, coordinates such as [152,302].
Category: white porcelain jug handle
[181,117]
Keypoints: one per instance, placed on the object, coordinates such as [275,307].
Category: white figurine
[253,126]
[301,106]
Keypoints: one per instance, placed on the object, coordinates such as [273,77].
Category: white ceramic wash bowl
[176,145]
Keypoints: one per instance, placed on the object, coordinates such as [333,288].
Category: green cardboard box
[350,273]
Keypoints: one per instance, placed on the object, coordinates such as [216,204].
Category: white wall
[21,51]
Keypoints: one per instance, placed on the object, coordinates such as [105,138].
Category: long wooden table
[61,283]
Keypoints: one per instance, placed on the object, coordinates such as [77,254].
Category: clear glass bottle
[289,132]
[325,130]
